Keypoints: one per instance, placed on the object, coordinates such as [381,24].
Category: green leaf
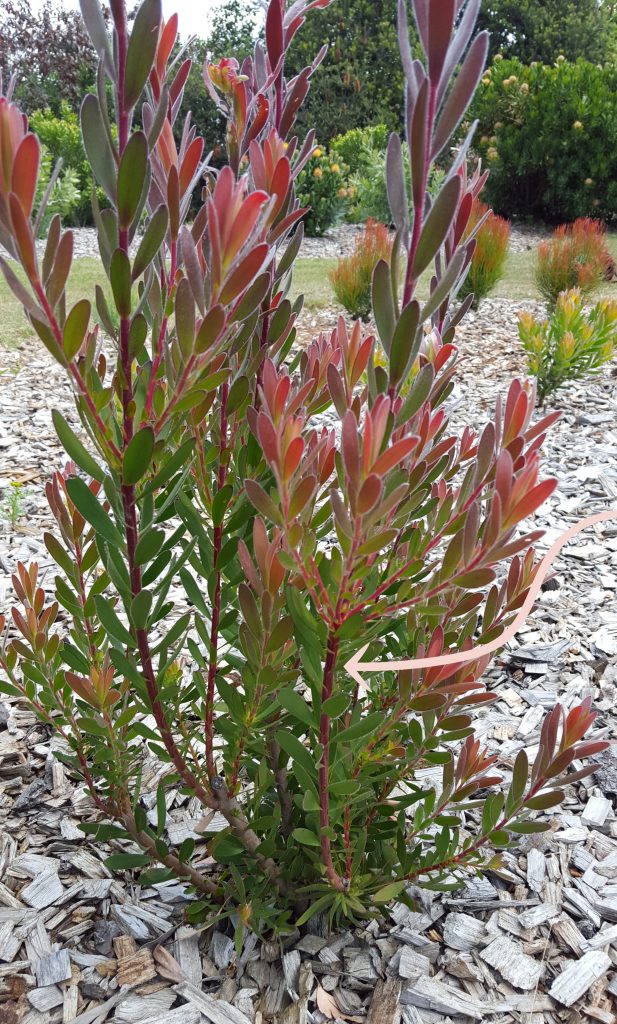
[127,861]
[75,328]
[335,706]
[315,908]
[185,318]
[296,751]
[438,223]
[520,774]
[120,277]
[383,304]
[418,394]
[297,707]
[74,448]
[237,393]
[59,554]
[499,838]
[172,465]
[92,511]
[97,146]
[527,828]
[137,335]
[405,342]
[111,622]
[140,609]
[347,787]
[544,801]
[262,502]
[149,545]
[138,456]
[389,892]
[151,241]
[155,876]
[186,850]
[161,810]
[94,21]
[302,835]
[282,632]
[131,175]
[141,50]
[220,503]
[362,728]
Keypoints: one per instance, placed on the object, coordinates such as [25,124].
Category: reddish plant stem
[324,768]
[179,868]
[216,604]
[482,840]
[128,492]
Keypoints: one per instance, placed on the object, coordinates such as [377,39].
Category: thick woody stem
[179,868]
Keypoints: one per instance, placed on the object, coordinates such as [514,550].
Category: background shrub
[65,196]
[549,136]
[575,257]
[61,136]
[571,343]
[363,150]
[358,146]
[353,275]
[490,254]
[542,29]
[323,186]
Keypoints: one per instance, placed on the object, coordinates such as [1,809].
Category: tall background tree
[49,51]
[543,29]
[360,81]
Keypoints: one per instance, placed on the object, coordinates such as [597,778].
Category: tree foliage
[361,80]
[541,30]
[49,51]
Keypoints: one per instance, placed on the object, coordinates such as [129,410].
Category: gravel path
[339,241]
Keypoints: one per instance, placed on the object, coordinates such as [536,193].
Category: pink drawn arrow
[356,667]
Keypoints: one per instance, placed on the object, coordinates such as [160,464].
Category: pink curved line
[355,666]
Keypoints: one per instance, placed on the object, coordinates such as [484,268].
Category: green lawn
[311,279]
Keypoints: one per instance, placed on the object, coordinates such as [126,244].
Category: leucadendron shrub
[576,256]
[203,461]
[571,343]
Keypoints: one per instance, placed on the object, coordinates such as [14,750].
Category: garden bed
[80,945]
